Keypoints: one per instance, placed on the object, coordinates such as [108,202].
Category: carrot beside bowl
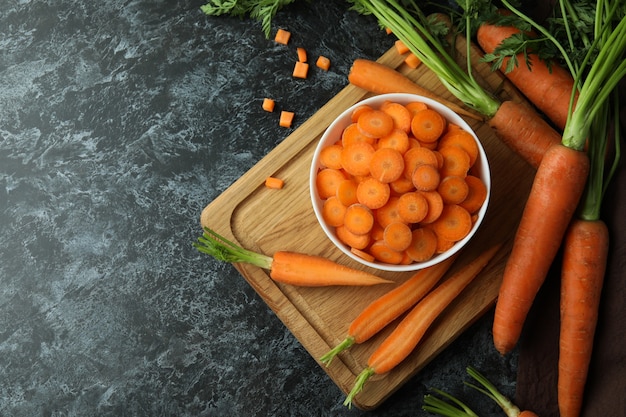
[368,203]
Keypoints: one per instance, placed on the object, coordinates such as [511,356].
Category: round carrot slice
[358,219]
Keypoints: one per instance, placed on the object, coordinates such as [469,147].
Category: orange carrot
[385,309]
[360,109]
[400,115]
[352,134]
[326,182]
[373,193]
[397,139]
[268,104]
[412,61]
[287,267]
[423,244]
[358,219]
[302,56]
[379,78]
[521,129]
[453,189]
[333,211]
[415,106]
[352,239]
[282,36]
[362,254]
[453,224]
[477,194]
[286,118]
[397,236]
[556,190]
[549,87]
[585,253]
[418,156]
[435,206]
[387,165]
[401,186]
[274,183]
[426,177]
[383,253]
[401,47]
[412,207]
[463,139]
[330,156]
[346,192]
[323,63]
[300,69]
[388,213]
[355,158]
[375,123]
[455,161]
[428,125]
[410,331]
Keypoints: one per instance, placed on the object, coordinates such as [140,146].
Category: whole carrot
[585,253]
[554,196]
[547,86]
[287,267]
[385,309]
[410,331]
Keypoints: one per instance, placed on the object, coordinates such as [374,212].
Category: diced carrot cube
[274,183]
[286,118]
[268,104]
[301,54]
[412,61]
[401,47]
[301,69]
[282,36]
[323,63]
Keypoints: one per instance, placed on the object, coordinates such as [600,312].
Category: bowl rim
[340,122]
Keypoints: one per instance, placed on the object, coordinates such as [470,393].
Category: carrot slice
[423,244]
[346,192]
[330,156]
[384,253]
[387,165]
[412,207]
[435,206]
[358,219]
[397,236]
[453,224]
[455,161]
[375,123]
[352,134]
[401,115]
[362,254]
[418,156]
[373,193]
[428,125]
[461,138]
[388,213]
[397,139]
[401,186]
[327,181]
[333,211]
[415,106]
[477,194]
[426,177]
[355,158]
[353,240]
[358,111]
[453,189]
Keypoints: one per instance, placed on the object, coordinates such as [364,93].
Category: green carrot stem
[222,249]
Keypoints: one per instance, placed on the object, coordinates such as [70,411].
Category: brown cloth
[605,390]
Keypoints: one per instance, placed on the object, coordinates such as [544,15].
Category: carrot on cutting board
[385,309]
[547,86]
[554,196]
[274,183]
[379,78]
[411,329]
[585,253]
[287,267]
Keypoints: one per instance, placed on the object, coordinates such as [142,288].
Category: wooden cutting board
[268,220]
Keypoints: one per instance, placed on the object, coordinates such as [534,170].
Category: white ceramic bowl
[333,133]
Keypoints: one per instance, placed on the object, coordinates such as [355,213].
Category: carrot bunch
[400,186]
